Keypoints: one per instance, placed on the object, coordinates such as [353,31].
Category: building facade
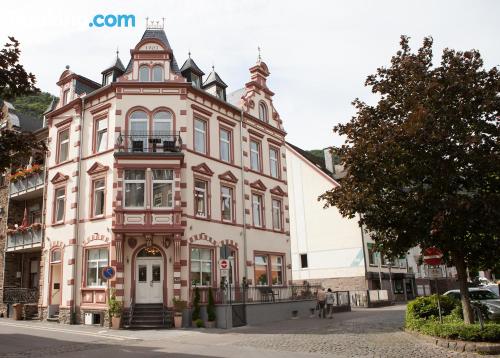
[158,173]
[329,249]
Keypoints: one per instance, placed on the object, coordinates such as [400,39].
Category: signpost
[433,257]
[108,273]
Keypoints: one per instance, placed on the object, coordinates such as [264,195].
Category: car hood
[493,304]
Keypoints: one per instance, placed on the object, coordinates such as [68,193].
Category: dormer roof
[191,66]
[212,78]
[117,64]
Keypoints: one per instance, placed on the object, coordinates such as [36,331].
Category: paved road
[361,333]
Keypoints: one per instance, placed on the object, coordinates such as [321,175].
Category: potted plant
[211,309]
[196,306]
[179,307]
[115,312]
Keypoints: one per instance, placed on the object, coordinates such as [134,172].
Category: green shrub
[427,307]
[211,305]
[461,331]
[199,323]
[196,305]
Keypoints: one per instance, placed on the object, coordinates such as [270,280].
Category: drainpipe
[243,196]
[77,214]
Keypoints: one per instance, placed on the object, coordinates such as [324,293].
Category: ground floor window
[97,259]
[201,266]
[398,287]
[268,269]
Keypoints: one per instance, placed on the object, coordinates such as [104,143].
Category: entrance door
[55,281]
[149,280]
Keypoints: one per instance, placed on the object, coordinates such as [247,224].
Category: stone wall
[357,283]
[105,321]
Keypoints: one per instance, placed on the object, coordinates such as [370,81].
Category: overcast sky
[319,52]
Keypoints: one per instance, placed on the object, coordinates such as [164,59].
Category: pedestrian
[321,297]
[330,300]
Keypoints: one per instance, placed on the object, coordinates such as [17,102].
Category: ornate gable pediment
[278,191]
[202,169]
[97,168]
[228,176]
[259,185]
[59,178]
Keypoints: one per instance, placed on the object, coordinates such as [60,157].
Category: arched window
[263,112]
[138,131]
[157,74]
[55,256]
[144,74]
[162,123]
[149,252]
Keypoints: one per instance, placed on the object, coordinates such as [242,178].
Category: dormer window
[108,78]
[195,80]
[144,74]
[263,112]
[65,97]
[157,74]
[220,93]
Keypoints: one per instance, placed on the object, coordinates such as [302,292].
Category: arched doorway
[149,276]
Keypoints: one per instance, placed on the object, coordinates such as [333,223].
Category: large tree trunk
[464,289]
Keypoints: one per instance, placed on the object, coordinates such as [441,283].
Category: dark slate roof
[27,122]
[160,35]
[191,65]
[320,164]
[214,77]
[85,85]
[117,63]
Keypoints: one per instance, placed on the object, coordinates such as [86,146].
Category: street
[361,333]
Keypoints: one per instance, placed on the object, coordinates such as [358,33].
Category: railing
[26,238]
[365,298]
[33,181]
[157,142]
[20,295]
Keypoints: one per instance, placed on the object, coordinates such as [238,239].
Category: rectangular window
[65,97]
[374,256]
[257,210]
[99,199]
[277,224]
[97,259]
[195,80]
[225,145]
[108,79]
[101,135]
[200,197]
[274,162]
[226,203]
[60,201]
[63,146]
[135,182]
[163,188]
[303,261]
[200,136]
[201,267]
[260,262]
[255,155]
[276,270]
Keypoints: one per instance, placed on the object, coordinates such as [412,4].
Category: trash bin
[18,311]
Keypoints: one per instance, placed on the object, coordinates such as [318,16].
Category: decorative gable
[259,185]
[202,169]
[228,176]
[97,168]
[278,191]
[59,178]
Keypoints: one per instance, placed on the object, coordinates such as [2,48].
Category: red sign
[224,264]
[433,256]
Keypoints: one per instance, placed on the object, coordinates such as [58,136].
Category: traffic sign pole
[433,257]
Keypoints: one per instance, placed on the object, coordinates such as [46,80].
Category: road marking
[98,334]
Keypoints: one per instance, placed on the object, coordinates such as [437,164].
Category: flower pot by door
[178,321]
[116,322]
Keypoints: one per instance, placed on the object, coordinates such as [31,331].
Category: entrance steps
[149,316]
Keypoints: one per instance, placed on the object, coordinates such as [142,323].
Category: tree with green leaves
[15,147]
[423,164]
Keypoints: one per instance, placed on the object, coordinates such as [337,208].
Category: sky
[319,52]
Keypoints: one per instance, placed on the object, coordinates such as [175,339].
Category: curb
[459,346]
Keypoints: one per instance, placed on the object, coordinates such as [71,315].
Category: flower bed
[25,172]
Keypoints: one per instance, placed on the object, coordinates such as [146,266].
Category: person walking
[330,300]
[321,297]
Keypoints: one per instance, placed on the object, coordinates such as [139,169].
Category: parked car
[493,288]
[484,296]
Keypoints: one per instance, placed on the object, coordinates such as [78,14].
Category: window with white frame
[63,146]
[201,198]
[255,155]
[225,145]
[59,202]
[263,112]
[226,203]
[99,197]
[277,224]
[101,134]
[65,97]
[200,136]
[257,210]
[163,188]
[195,80]
[157,74]
[274,162]
[108,78]
[55,256]
[97,260]
[135,182]
[144,74]
[201,266]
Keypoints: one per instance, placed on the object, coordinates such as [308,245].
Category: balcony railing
[20,295]
[27,184]
[23,239]
[157,142]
